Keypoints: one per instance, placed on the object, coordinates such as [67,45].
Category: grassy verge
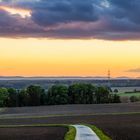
[70,135]
[98,132]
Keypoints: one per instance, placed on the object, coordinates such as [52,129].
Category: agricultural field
[129,94]
[126,93]
[65,110]
[33,133]
[118,121]
[125,89]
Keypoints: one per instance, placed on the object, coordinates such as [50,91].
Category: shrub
[134,99]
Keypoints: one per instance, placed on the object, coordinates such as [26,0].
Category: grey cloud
[15,26]
[100,19]
[128,9]
[64,12]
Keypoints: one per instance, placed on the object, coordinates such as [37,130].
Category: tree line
[35,95]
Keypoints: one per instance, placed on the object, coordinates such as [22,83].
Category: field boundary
[34,125]
[49,116]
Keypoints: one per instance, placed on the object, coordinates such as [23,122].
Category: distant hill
[22,82]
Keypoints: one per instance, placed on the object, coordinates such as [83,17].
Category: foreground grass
[98,132]
[70,135]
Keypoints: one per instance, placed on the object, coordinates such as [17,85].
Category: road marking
[85,133]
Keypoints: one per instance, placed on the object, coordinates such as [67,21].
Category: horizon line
[98,77]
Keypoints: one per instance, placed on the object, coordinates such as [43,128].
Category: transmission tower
[108,76]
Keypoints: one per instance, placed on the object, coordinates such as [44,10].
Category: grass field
[129,94]
[125,89]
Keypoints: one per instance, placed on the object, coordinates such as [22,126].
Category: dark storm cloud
[65,12]
[100,19]
[128,9]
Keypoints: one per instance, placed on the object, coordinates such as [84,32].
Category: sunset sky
[69,38]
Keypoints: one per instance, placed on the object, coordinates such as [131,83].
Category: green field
[129,94]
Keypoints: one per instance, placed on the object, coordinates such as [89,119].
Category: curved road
[85,133]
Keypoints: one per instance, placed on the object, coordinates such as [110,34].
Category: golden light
[58,57]
[12,10]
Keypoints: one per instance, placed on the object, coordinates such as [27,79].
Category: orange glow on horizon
[58,57]
[20,11]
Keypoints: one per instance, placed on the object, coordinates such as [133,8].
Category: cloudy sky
[69,37]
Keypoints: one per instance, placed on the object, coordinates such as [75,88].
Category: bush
[125,99]
[134,99]
[116,98]
[116,90]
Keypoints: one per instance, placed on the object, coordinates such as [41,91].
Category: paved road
[85,133]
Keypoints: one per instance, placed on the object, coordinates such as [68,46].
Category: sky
[69,38]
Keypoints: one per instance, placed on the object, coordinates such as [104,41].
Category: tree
[23,98]
[34,93]
[116,98]
[73,91]
[76,93]
[81,93]
[12,98]
[90,94]
[102,95]
[3,97]
[43,97]
[57,94]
